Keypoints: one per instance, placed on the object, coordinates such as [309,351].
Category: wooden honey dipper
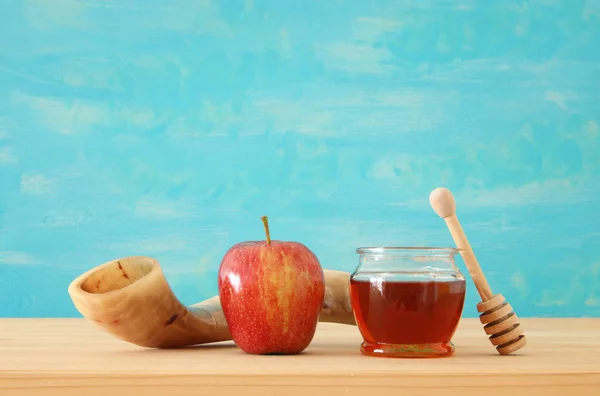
[499,320]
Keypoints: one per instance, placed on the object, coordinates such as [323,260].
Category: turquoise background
[167,128]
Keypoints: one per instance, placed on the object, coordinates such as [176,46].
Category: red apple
[271,293]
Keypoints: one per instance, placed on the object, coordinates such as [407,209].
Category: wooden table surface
[69,356]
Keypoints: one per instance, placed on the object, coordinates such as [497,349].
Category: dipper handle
[442,202]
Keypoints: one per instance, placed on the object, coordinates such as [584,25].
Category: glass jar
[407,301]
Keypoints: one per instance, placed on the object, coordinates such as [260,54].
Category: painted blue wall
[167,128]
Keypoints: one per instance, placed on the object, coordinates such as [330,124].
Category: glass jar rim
[426,250]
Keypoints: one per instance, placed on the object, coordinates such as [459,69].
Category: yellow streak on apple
[285,287]
[281,283]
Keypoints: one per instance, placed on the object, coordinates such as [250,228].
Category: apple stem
[265,221]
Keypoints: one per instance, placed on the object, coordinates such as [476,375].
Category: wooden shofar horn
[131,299]
[500,322]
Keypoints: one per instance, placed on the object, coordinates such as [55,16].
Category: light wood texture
[70,357]
[500,321]
[131,299]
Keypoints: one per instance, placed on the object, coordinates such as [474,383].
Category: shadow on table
[344,350]
[188,349]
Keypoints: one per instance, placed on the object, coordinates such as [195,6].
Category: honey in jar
[407,302]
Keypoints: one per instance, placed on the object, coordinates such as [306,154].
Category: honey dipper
[500,322]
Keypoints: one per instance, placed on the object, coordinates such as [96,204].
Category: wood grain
[69,356]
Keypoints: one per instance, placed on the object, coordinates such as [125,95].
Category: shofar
[131,299]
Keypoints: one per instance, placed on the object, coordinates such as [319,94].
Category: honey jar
[407,301]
